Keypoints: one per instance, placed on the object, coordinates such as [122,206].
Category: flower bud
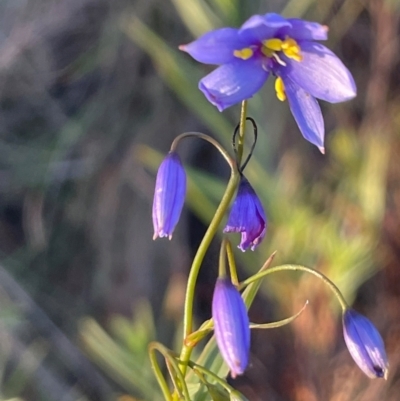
[231,326]
[169,195]
[365,344]
[247,216]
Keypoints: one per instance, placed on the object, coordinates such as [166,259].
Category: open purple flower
[270,44]
[231,326]
[247,216]
[169,195]
[365,344]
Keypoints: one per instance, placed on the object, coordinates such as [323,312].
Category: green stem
[316,273]
[211,230]
[157,371]
[207,138]
[167,354]
[242,130]
[201,251]
[232,264]
[222,259]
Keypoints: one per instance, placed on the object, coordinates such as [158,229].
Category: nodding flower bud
[365,344]
[247,216]
[231,326]
[169,195]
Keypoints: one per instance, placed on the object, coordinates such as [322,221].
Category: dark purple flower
[169,195]
[365,344]
[231,326]
[270,44]
[247,216]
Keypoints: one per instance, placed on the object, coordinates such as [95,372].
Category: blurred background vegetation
[92,92]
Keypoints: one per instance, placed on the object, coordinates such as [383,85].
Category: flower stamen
[289,47]
[243,54]
[280,89]
[273,44]
[278,59]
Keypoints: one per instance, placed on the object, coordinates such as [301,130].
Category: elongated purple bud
[365,344]
[169,195]
[247,217]
[231,326]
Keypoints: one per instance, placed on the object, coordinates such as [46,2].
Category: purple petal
[321,74]
[247,217]
[304,30]
[231,83]
[231,326]
[306,112]
[169,195]
[260,27]
[216,47]
[365,344]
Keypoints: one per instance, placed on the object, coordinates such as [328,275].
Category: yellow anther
[273,44]
[291,49]
[280,89]
[289,42]
[294,55]
[244,54]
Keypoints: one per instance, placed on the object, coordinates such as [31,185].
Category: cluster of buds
[247,215]
[231,322]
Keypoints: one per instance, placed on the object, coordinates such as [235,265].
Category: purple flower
[270,44]
[231,326]
[247,216]
[365,344]
[169,195]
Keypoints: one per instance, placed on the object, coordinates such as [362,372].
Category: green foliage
[124,356]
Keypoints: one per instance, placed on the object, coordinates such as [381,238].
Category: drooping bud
[231,326]
[247,217]
[169,195]
[365,344]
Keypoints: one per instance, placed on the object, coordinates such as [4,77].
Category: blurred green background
[92,92]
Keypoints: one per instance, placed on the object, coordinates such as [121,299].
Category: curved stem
[207,138]
[157,371]
[167,354]
[197,261]
[201,251]
[316,273]
[211,230]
